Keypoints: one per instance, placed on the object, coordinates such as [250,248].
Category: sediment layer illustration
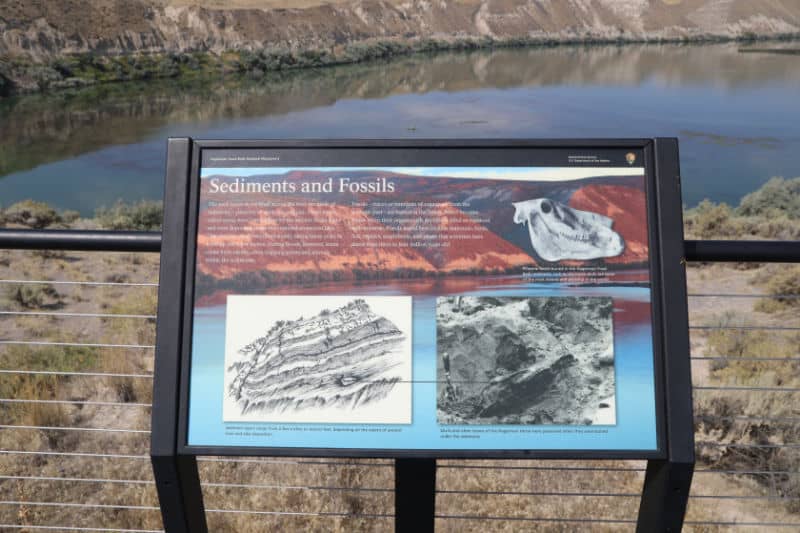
[346,357]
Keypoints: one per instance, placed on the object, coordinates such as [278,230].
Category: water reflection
[737,114]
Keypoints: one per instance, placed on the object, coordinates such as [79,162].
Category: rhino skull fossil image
[560,232]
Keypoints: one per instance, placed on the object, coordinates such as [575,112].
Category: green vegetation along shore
[771,212]
[20,76]
[52,44]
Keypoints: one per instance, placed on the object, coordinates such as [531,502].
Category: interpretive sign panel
[419,300]
[441,299]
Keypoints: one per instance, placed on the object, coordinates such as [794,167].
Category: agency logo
[630,157]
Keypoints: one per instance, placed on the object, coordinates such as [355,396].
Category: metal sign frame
[669,469]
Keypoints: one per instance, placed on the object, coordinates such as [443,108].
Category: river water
[737,114]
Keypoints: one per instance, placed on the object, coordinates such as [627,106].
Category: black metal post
[664,497]
[667,482]
[81,240]
[414,495]
[177,478]
[150,241]
[743,251]
[179,494]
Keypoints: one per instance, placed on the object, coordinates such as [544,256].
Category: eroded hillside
[49,28]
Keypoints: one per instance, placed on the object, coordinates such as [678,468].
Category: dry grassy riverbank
[54,460]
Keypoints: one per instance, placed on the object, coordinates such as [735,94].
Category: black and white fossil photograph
[558,231]
[328,359]
[525,361]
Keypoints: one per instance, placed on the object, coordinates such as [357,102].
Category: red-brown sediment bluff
[277,242]
[626,207]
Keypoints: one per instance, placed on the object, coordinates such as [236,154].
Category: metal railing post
[414,495]
[177,479]
[665,494]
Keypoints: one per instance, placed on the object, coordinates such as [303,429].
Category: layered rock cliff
[49,27]
[342,30]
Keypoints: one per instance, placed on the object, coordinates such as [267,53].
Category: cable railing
[76,360]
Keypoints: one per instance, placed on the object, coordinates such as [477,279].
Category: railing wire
[53,455]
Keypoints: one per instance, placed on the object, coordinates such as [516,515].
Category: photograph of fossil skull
[560,232]
[526,361]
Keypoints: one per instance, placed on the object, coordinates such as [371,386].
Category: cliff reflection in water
[41,129]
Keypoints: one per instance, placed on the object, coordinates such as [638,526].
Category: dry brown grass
[69,415]
[770,415]
[279,483]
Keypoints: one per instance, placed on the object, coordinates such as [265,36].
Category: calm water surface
[737,115]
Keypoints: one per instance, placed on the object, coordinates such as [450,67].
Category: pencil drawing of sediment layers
[331,359]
